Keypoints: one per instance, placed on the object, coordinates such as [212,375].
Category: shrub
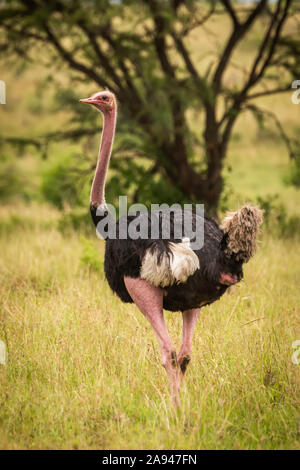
[61,184]
[11,181]
[276,219]
[78,219]
[292,177]
[90,257]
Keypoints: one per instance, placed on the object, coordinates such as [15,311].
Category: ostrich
[158,274]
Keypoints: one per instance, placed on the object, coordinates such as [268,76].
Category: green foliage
[12,183]
[289,226]
[15,223]
[292,177]
[78,219]
[276,219]
[142,51]
[135,179]
[268,205]
[90,257]
[61,184]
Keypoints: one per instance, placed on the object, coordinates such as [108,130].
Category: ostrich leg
[189,318]
[149,299]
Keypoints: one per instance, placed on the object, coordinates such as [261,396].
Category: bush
[61,184]
[90,257]
[11,180]
[276,219]
[78,219]
[292,177]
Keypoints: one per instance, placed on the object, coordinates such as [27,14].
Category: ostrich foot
[189,318]
[170,363]
[184,362]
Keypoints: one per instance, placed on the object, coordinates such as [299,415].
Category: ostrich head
[104,101]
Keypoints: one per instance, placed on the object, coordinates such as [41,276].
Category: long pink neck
[98,187]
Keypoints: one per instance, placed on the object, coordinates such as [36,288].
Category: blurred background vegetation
[204,91]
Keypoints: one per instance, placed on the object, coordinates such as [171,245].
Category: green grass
[84,371]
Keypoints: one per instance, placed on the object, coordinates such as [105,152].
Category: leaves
[141,51]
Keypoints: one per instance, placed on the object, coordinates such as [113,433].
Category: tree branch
[237,34]
[255,76]
[199,81]
[269,92]
[278,124]
[101,56]
[231,11]
[67,56]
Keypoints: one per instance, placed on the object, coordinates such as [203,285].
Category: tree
[140,50]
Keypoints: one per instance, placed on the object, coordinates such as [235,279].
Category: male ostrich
[158,273]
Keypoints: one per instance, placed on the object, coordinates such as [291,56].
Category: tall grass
[83,369]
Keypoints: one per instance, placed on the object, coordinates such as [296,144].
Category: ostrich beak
[88,100]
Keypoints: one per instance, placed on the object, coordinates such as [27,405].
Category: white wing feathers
[172,269]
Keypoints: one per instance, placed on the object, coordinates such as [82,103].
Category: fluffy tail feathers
[241,229]
[170,267]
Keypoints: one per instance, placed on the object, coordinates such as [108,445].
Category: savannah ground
[83,370]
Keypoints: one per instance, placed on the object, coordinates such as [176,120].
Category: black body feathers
[123,257]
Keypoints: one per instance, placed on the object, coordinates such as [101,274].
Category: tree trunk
[203,188]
